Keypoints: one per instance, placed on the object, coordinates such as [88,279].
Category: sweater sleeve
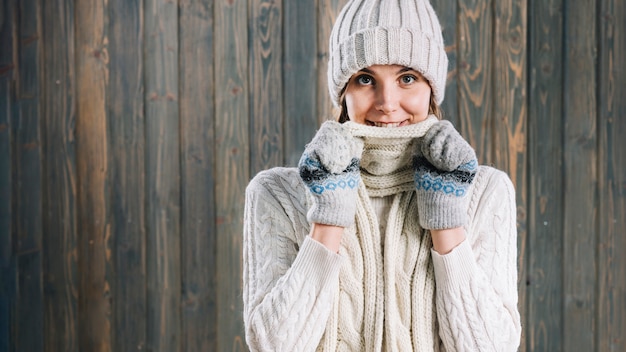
[289,278]
[477,281]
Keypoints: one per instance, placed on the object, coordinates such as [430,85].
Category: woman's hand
[445,166]
[330,168]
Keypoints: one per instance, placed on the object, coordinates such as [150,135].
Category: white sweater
[299,296]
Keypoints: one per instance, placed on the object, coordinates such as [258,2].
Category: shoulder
[276,179]
[281,185]
[492,189]
[489,179]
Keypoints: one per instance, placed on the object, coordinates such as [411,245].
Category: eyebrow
[402,70]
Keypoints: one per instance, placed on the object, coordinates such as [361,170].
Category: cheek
[357,107]
[419,104]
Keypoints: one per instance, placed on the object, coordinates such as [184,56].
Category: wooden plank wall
[129,131]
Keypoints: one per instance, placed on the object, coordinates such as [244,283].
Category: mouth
[387,124]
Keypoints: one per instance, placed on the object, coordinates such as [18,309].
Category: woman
[388,236]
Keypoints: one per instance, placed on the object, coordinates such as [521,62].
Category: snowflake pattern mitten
[445,166]
[329,167]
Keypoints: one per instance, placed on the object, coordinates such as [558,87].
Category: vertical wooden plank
[29,325]
[26,124]
[266,88]
[612,178]
[125,121]
[580,167]
[299,73]
[7,71]
[447,11]
[509,97]
[474,75]
[92,162]
[544,246]
[27,127]
[197,121]
[327,12]
[7,260]
[162,175]
[509,119]
[231,159]
[60,242]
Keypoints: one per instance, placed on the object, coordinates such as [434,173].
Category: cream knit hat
[387,32]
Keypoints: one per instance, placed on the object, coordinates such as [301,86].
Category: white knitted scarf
[386,296]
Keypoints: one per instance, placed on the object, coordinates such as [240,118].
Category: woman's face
[387,96]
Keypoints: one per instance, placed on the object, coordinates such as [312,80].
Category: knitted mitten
[445,166]
[330,169]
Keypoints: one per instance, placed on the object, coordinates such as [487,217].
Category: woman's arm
[444,241]
[288,291]
[328,235]
[477,279]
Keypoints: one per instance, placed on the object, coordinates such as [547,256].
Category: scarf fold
[386,287]
[386,161]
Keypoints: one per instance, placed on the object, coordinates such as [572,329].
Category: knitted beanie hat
[387,32]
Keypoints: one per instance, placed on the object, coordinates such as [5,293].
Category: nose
[386,98]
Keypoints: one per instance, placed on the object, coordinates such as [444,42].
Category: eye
[408,79]
[364,80]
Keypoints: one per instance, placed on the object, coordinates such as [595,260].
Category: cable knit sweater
[386,289]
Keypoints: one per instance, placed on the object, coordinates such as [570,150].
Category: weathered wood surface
[474,65]
[162,175]
[265,82]
[92,161]
[129,131]
[232,168]
[580,176]
[299,71]
[544,244]
[127,182]
[197,124]
[60,243]
[611,309]
[7,262]
[27,200]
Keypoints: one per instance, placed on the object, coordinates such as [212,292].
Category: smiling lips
[387,124]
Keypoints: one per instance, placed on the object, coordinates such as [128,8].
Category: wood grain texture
[327,12]
[544,245]
[7,260]
[232,150]
[60,244]
[509,152]
[447,11]
[509,95]
[266,88]
[137,126]
[7,72]
[28,328]
[580,177]
[27,128]
[299,76]
[162,175]
[27,177]
[127,191]
[474,63]
[197,121]
[611,292]
[93,180]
